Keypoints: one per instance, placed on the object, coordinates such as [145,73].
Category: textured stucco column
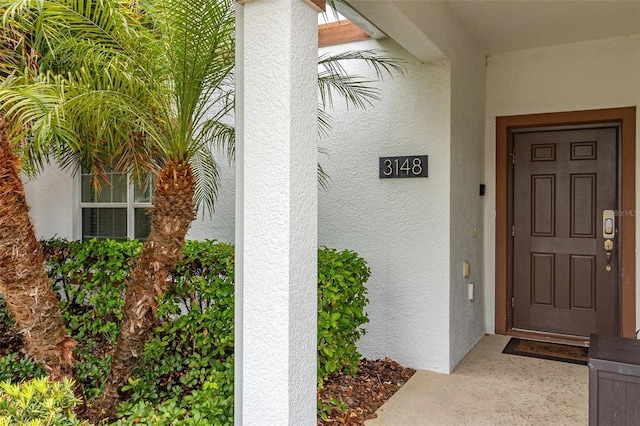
[276,219]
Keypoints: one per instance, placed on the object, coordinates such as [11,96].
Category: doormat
[545,350]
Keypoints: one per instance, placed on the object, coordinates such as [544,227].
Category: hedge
[186,371]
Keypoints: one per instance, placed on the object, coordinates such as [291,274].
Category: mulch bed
[375,383]
[351,400]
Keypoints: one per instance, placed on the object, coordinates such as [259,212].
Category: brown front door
[563,181]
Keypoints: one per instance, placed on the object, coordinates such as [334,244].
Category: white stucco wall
[400,226]
[465,209]
[580,76]
[468,88]
[51,199]
[467,173]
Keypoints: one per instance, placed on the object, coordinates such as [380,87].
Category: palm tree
[143,90]
[23,282]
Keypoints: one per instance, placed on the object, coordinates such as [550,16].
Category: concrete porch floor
[492,388]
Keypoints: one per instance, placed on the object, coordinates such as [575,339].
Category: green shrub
[18,368]
[187,367]
[210,402]
[341,310]
[90,278]
[203,287]
[38,402]
[186,371]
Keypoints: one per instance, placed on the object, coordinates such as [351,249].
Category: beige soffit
[505,25]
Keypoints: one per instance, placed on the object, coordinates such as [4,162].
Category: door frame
[626,118]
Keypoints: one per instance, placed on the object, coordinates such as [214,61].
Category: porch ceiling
[506,25]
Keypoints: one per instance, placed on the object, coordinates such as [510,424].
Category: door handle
[608,246]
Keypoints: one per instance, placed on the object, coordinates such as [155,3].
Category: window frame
[130,205]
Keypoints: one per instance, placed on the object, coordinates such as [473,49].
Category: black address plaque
[411,166]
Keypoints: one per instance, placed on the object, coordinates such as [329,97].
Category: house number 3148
[403,167]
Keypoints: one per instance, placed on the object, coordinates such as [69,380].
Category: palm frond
[324,122]
[17,53]
[221,136]
[54,20]
[206,174]
[323,177]
[112,108]
[214,123]
[196,38]
[357,91]
[89,116]
[379,60]
[38,119]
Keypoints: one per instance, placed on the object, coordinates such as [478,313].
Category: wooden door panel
[543,281]
[563,180]
[543,208]
[583,205]
[561,321]
[563,245]
[583,282]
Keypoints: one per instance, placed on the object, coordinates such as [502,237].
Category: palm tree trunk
[172,215]
[23,281]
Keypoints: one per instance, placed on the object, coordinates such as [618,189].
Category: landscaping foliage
[341,310]
[185,376]
[186,373]
[38,402]
[90,278]
[17,368]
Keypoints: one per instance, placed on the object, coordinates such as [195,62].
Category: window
[118,211]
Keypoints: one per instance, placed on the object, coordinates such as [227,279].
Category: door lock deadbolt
[608,224]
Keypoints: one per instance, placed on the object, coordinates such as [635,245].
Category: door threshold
[549,337]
